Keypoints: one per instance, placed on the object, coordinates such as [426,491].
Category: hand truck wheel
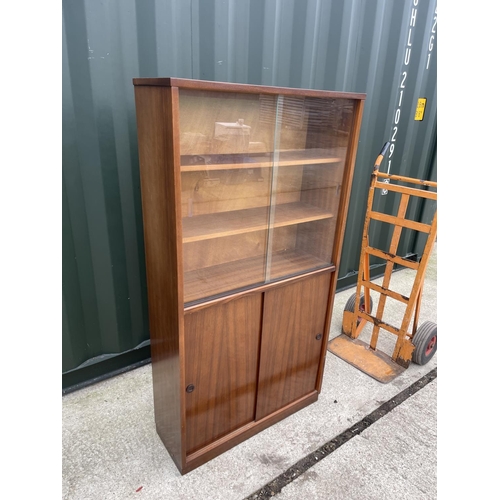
[425,342]
[351,302]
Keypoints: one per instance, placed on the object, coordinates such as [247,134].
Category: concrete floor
[111,449]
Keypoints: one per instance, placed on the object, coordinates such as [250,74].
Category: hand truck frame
[418,345]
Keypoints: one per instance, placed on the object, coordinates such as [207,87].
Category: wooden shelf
[211,281]
[204,227]
[286,159]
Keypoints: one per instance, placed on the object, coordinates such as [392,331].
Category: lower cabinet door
[292,330]
[221,364]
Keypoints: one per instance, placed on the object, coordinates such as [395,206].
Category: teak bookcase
[245,192]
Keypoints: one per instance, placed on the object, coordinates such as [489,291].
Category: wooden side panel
[156,116]
[222,350]
[293,318]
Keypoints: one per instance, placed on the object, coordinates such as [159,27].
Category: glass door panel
[311,144]
[226,143]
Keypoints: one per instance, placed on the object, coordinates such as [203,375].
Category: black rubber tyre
[351,302]
[425,342]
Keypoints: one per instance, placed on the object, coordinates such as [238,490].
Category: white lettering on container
[431,39]
[404,75]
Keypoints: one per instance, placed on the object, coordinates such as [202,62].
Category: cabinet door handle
[319,336]
[190,388]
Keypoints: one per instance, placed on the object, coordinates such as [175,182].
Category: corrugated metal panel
[357,45]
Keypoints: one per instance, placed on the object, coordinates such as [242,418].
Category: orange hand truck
[418,345]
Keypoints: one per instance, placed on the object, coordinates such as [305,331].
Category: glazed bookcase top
[242,87]
[261,181]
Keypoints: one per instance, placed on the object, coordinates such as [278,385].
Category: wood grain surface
[222,352]
[294,317]
[156,128]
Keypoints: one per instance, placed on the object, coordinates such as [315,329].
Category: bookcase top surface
[186,83]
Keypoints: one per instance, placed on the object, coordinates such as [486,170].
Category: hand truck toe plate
[376,364]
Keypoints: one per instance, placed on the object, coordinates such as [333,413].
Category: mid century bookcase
[245,192]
